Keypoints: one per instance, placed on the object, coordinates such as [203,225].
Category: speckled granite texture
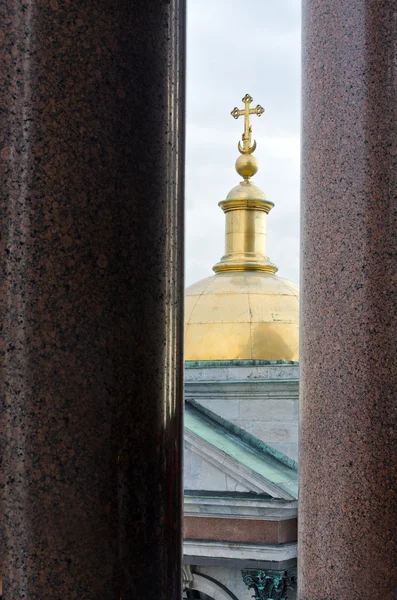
[248,531]
[91,288]
[348,460]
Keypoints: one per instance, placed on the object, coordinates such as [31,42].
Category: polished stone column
[91,290]
[348,455]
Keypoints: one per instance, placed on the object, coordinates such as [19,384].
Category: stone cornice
[240,508]
[242,372]
[243,552]
[240,389]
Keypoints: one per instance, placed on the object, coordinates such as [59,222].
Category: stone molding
[242,389]
[240,508]
[229,550]
[243,373]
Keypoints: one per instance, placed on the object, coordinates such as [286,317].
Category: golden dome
[244,311]
[242,315]
[246,190]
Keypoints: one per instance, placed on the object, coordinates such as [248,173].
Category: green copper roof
[254,454]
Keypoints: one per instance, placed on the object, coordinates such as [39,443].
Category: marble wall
[262,400]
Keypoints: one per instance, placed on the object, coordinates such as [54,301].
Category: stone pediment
[221,457]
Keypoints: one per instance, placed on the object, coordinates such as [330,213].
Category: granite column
[348,464]
[91,291]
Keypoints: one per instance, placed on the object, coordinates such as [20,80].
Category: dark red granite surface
[348,455]
[91,284]
[240,530]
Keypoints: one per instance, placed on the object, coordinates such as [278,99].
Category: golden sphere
[246,165]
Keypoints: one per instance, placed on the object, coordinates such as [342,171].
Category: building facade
[241,409]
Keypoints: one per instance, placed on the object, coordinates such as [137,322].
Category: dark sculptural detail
[268,585]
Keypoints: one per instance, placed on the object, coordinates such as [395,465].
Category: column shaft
[91,291]
[348,466]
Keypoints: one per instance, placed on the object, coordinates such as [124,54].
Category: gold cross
[246,148]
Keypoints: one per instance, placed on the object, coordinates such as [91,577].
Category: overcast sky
[234,48]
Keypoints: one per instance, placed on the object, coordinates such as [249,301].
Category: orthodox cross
[246,148]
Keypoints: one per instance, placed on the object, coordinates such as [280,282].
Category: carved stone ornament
[268,585]
[187,577]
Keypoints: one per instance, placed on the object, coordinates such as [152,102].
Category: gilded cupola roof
[244,311]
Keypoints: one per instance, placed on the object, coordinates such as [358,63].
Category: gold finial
[246,209]
[246,148]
